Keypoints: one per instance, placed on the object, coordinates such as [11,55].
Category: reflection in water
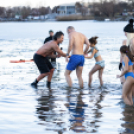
[71,110]
[128,114]
[47,113]
[76,108]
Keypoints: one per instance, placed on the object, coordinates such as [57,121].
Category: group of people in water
[127,64]
[75,60]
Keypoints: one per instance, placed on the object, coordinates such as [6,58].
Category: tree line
[23,11]
[111,9]
[103,8]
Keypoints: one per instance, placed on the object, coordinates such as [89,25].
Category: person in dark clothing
[42,62]
[51,33]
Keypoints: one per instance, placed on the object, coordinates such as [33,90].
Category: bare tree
[42,10]
[78,7]
[54,10]
[25,11]
[2,11]
[10,13]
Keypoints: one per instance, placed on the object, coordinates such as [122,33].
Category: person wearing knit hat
[129,33]
[129,27]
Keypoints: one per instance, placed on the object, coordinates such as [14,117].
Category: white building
[18,16]
[66,9]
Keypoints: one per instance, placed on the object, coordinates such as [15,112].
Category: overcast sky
[35,3]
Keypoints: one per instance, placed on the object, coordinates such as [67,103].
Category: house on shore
[66,9]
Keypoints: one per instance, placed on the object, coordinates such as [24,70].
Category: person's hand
[86,54]
[67,60]
[58,56]
[118,76]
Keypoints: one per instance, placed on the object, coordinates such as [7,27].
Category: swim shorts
[75,61]
[101,63]
[42,63]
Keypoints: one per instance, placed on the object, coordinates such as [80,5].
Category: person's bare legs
[100,76]
[50,75]
[41,76]
[95,68]
[79,76]
[127,87]
[68,78]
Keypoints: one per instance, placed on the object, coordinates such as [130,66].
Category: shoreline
[64,21]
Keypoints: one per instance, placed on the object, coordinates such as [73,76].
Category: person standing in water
[51,33]
[50,38]
[42,61]
[129,33]
[100,63]
[127,59]
[76,44]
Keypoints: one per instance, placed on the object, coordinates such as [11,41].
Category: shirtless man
[41,58]
[76,44]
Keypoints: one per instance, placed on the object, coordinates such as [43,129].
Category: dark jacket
[48,39]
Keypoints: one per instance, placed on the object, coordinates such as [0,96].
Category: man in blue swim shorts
[76,44]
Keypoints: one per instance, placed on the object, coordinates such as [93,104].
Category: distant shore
[71,18]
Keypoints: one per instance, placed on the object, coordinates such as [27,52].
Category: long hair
[93,40]
[129,38]
[125,49]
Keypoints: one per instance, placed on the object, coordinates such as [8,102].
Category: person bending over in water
[128,73]
[41,58]
[100,63]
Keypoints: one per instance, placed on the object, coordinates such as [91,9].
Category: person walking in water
[76,44]
[42,55]
[100,63]
[128,73]
[129,33]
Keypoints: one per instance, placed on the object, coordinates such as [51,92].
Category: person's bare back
[76,43]
[77,40]
[77,59]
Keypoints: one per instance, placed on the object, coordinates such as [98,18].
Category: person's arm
[59,51]
[91,56]
[87,45]
[124,42]
[89,51]
[125,70]
[53,55]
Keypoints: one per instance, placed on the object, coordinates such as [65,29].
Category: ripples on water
[24,110]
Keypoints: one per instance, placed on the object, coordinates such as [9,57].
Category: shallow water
[24,110]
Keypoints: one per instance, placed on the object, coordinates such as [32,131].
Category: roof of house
[70,4]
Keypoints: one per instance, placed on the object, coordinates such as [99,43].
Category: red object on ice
[21,61]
